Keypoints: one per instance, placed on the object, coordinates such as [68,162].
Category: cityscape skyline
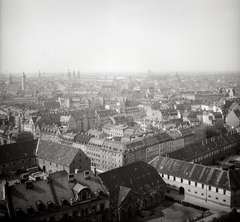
[127,37]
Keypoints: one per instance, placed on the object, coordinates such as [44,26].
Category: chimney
[86,174]
[5,190]
[71,177]
[28,184]
[95,171]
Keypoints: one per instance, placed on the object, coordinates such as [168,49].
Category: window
[4,165]
[174,178]
[14,163]
[202,186]
[195,184]
[189,182]
[29,160]
[168,176]
[216,190]
[22,161]
[224,192]
[209,188]
[181,180]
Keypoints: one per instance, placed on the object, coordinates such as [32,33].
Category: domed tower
[23,82]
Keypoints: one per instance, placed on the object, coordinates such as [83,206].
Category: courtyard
[168,211]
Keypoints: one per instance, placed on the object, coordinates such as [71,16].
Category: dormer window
[40,205]
[50,204]
[19,211]
[29,209]
[64,201]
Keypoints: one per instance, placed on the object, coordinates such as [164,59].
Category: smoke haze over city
[119,36]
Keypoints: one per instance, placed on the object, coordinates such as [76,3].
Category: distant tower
[10,79]
[69,74]
[23,82]
[73,74]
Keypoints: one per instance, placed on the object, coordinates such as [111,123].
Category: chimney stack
[95,171]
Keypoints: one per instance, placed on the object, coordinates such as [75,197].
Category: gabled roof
[17,151]
[211,176]
[57,153]
[140,177]
[123,192]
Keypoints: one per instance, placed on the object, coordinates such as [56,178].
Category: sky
[119,36]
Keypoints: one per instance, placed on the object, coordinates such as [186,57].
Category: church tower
[23,82]
[10,79]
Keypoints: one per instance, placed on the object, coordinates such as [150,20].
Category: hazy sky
[119,36]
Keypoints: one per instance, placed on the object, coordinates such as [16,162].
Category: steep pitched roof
[123,192]
[16,151]
[53,190]
[57,153]
[202,174]
[140,177]
[52,105]
[82,138]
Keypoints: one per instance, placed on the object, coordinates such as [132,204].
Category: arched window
[144,204]
[130,211]
[84,195]
[40,205]
[102,207]
[50,204]
[29,209]
[19,211]
[122,215]
[155,198]
[64,201]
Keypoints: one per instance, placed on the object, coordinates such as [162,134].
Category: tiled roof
[113,145]
[16,151]
[168,112]
[186,132]
[106,112]
[198,149]
[57,153]
[202,174]
[52,105]
[48,119]
[163,137]
[82,138]
[140,177]
[135,145]
[95,141]
[54,191]
[150,141]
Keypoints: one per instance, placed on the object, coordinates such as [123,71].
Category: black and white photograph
[120,110]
